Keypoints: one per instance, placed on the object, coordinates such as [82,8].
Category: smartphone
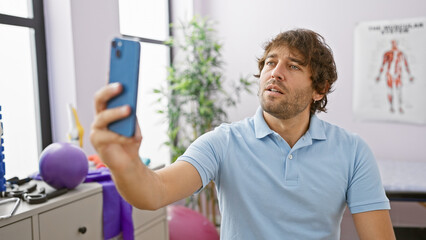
[124,68]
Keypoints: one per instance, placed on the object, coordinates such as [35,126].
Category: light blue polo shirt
[267,190]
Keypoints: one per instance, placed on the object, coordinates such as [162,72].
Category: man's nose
[278,72]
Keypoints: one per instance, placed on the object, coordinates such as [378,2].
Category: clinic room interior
[56,61]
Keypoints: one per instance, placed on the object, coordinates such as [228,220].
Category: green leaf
[169,42]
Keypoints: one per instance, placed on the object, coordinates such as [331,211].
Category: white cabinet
[75,215]
[156,231]
[78,220]
[17,231]
[58,218]
[150,224]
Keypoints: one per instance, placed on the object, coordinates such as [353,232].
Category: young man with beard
[281,174]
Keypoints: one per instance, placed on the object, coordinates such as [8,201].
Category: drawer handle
[82,230]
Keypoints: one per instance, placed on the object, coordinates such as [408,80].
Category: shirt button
[290,157]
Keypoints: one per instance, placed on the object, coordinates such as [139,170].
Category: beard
[287,106]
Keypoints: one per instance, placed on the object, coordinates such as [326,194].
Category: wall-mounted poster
[390,71]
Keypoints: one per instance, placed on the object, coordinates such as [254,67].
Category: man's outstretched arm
[140,186]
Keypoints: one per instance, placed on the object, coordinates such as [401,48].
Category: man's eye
[269,63]
[294,67]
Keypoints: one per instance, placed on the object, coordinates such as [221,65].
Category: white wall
[78,35]
[95,23]
[60,62]
[245,25]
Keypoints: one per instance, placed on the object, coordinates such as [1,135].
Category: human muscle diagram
[394,62]
[390,71]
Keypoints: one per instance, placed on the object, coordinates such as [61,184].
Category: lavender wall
[244,25]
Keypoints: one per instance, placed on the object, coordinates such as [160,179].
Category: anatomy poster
[390,71]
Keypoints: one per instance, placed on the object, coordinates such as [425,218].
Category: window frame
[157,41]
[37,24]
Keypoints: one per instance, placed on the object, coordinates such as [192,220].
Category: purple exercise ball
[187,224]
[63,165]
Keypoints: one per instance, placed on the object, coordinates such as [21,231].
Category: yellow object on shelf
[76,131]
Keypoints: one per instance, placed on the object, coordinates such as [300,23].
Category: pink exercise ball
[187,224]
[63,165]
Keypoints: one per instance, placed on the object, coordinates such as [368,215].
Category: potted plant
[195,94]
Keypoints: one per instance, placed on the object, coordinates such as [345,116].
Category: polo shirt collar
[260,127]
[316,127]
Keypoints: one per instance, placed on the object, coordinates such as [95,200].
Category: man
[282,174]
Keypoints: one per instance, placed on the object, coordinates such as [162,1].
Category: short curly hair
[316,54]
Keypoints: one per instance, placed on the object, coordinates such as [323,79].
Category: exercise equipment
[187,224]
[2,165]
[63,165]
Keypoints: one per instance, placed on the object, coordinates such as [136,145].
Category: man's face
[285,87]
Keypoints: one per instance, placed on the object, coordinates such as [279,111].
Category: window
[148,22]
[24,96]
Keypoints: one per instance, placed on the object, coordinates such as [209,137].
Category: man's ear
[318,96]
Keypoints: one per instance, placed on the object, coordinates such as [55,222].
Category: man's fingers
[100,137]
[138,134]
[104,94]
[104,118]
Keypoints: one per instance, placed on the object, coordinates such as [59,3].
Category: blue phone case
[124,68]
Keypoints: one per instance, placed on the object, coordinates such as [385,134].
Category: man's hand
[140,186]
[116,151]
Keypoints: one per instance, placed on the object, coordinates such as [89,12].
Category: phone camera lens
[118,53]
[113,44]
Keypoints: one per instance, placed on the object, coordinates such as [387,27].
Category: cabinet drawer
[159,231]
[143,217]
[17,230]
[78,220]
